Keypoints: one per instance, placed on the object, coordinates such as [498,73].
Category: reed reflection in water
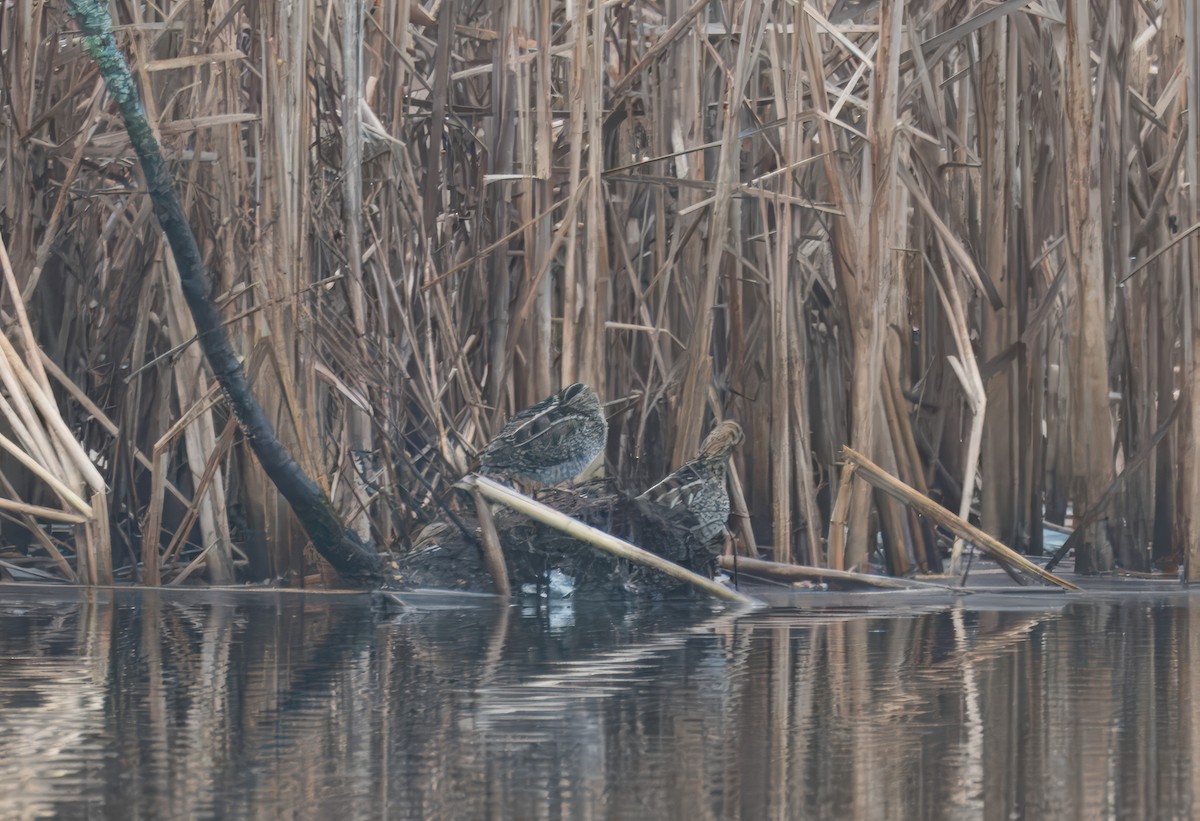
[149,705]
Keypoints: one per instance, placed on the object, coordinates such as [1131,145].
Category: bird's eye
[571,391]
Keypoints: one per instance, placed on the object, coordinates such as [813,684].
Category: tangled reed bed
[940,232]
[446,552]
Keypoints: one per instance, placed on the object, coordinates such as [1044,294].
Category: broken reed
[939,233]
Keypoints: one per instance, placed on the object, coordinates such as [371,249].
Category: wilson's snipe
[695,497]
[551,442]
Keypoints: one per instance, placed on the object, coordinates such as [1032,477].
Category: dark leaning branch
[342,548]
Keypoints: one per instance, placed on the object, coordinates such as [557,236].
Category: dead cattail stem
[966,368]
[837,521]
[95,544]
[40,512]
[1092,436]
[999,456]
[781,395]
[489,541]
[872,473]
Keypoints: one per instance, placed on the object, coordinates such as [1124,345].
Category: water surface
[149,705]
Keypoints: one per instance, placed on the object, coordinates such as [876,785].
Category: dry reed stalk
[806,491]
[489,541]
[555,176]
[40,535]
[872,473]
[924,543]
[593,358]
[358,421]
[33,361]
[966,368]
[690,413]
[94,541]
[1189,512]
[40,512]
[152,529]
[892,415]
[152,524]
[997,121]
[59,459]
[802,573]
[64,492]
[30,435]
[200,439]
[574,182]
[1091,436]
[198,511]
[837,519]
[781,399]
[541,192]
[858,273]
[72,460]
[877,270]
[100,416]
[740,513]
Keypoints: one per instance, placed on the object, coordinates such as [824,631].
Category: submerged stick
[597,538]
[799,572]
[877,477]
[341,547]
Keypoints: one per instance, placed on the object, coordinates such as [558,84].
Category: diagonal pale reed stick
[598,538]
[879,478]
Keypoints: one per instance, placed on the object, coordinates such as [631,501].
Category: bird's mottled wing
[677,489]
[527,422]
[550,432]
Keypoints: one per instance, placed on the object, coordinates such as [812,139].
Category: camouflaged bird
[551,442]
[695,498]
